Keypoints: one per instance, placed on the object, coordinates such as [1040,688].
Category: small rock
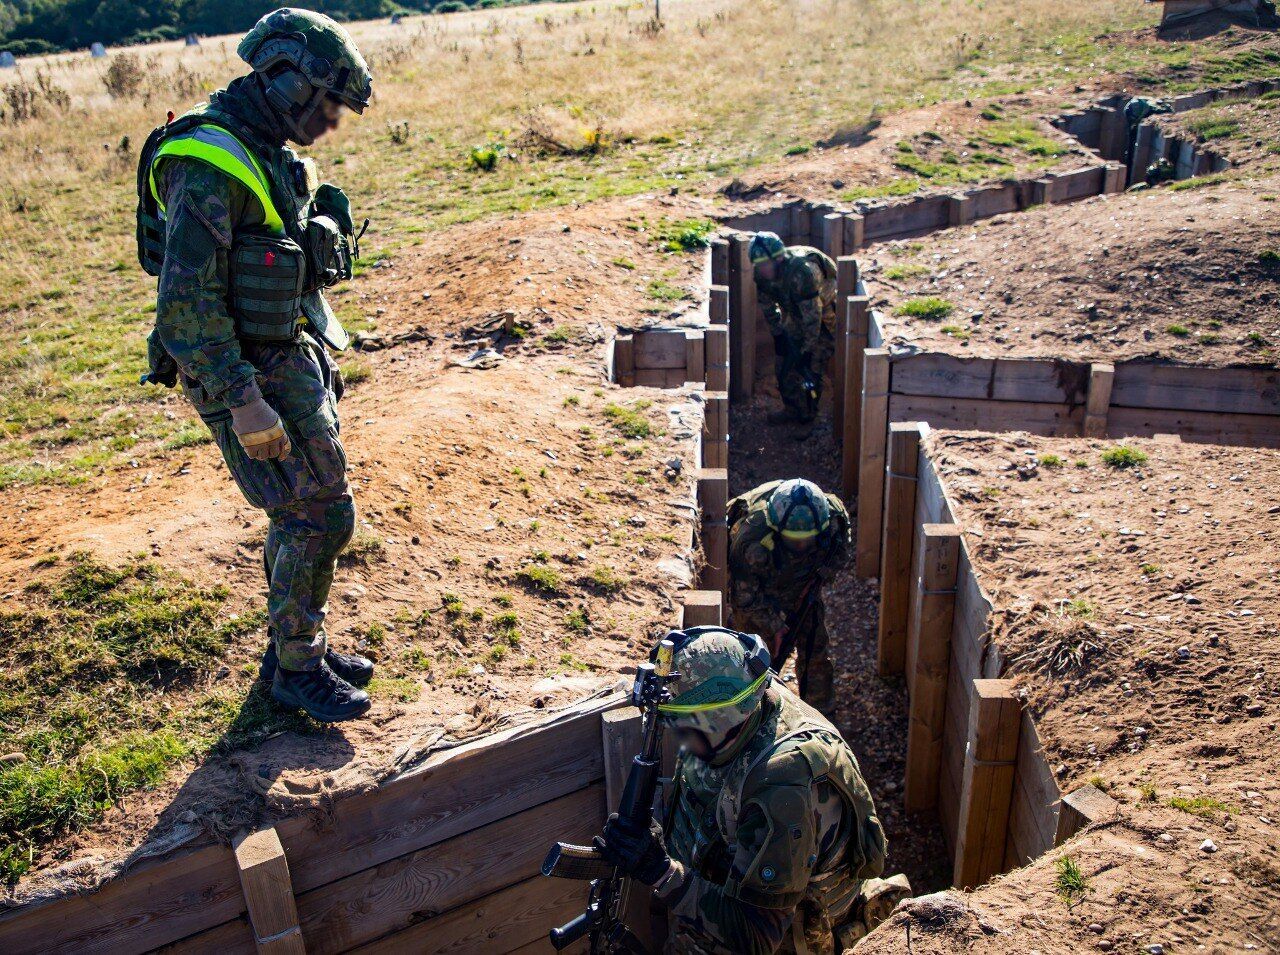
[1105,945]
[1165,838]
[1208,846]
[1095,928]
[12,759]
[1156,949]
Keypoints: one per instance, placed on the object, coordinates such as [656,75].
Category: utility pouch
[149,229]
[268,280]
[329,256]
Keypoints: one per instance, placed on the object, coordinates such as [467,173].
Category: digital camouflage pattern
[326,56]
[770,842]
[800,307]
[305,494]
[768,583]
[712,667]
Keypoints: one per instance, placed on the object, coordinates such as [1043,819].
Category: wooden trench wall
[443,857]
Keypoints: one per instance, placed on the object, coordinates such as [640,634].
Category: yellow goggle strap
[679,709]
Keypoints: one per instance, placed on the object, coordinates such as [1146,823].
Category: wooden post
[1141,158]
[986,791]
[622,736]
[1114,178]
[716,355]
[718,305]
[1082,808]
[715,430]
[268,893]
[898,545]
[1042,192]
[870,464]
[854,232]
[857,318]
[846,285]
[702,608]
[928,658]
[695,362]
[833,234]
[799,224]
[624,361]
[1098,403]
[720,263]
[960,211]
[742,320]
[817,229]
[713,502]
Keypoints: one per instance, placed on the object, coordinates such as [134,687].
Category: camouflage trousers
[305,494]
[800,376]
[813,662]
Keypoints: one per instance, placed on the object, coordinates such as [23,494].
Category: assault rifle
[600,921]
[794,623]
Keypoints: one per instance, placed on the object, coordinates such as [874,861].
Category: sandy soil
[1138,609]
[1108,278]
[462,477]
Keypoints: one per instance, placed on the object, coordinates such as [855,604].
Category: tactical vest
[307,240]
[779,291]
[708,800]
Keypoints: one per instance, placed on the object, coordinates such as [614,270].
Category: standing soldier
[785,539]
[796,292]
[771,840]
[243,238]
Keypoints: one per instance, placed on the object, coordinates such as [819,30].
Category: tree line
[47,26]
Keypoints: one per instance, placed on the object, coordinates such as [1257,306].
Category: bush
[485,158]
[1122,456]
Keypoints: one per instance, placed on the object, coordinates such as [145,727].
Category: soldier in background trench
[796,294]
[785,539]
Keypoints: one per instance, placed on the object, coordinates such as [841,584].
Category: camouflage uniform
[800,307]
[305,494]
[768,582]
[771,842]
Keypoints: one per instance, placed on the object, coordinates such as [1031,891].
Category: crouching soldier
[243,239]
[796,293]
[771,835]
[785,540]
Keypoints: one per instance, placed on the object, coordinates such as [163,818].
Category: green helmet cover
[765,246]
[722,679]
[798,509]
[316,46]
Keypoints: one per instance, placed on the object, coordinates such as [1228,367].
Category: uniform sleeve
[203,206]
[769,310]
[804,281]
[841,537]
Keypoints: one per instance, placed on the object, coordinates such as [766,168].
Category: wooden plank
[1101,375]
[1081,808]
[846,285]
[1115,178]
[897,546]
[929,623]
[977,414]
[953,740]
[973,612]
[501,922]
[654,377]
[713,502]
[1036,797]
[931,500]
[1079,184]
[268,893]
[1141,157]
[701,608]
[1195,388]
[624,360]
[695,363]
[854,232]
[395,895]
[833,234]
[660,348]
[989,201]
[716,351]
[911,217]
[720,263]
[960,211]
[742,320]
[715,430]
[941,375]
[1201,427]
[799,229]
[718,305]
[857,308]
[874,433]
[995,719]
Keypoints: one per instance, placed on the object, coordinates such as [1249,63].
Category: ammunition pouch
[329,257]
[268,281]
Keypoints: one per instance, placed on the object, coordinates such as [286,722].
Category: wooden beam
[857,319]
[854,232]
[624,361]
[695,362]
[898,545]
[713,502]
[960,211]
[718,305]
[1098,403]
[716,354]
[660,348]
[268,893]
[742,320]
[991,751]
[833,234]
[1042,193]
[846,285]
[1116,177]
[702,608]
[1081,808]
[874,433]
[715,430]
[930,620]
[799,234]
[720,262]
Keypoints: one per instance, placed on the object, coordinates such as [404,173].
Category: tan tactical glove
[260,431]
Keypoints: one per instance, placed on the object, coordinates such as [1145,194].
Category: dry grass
[726,84]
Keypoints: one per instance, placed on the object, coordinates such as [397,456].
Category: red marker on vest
[269,258]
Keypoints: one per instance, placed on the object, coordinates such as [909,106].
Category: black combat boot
[321,693]
[356,670]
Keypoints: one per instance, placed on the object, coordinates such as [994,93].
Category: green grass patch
[1051,461]
[578,620]
[907,270]
[541,579]
[1024,136]
[1069,882]
[661,290]
[1204,806]
[1213,127]
[1198,182]
[631,422]
[1179,330]
[607,579]
[930,308]
[1123,456]
[685,235]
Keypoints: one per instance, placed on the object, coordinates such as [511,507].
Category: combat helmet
[765,246]
[722,678]
[798,510]
[302,56]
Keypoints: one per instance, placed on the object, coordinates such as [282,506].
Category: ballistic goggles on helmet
[722,690]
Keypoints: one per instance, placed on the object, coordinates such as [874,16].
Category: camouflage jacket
[784,823]
[765,578]
[800,302]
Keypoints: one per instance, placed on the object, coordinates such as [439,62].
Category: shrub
[540,579]
[1122,456]
[484,158]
